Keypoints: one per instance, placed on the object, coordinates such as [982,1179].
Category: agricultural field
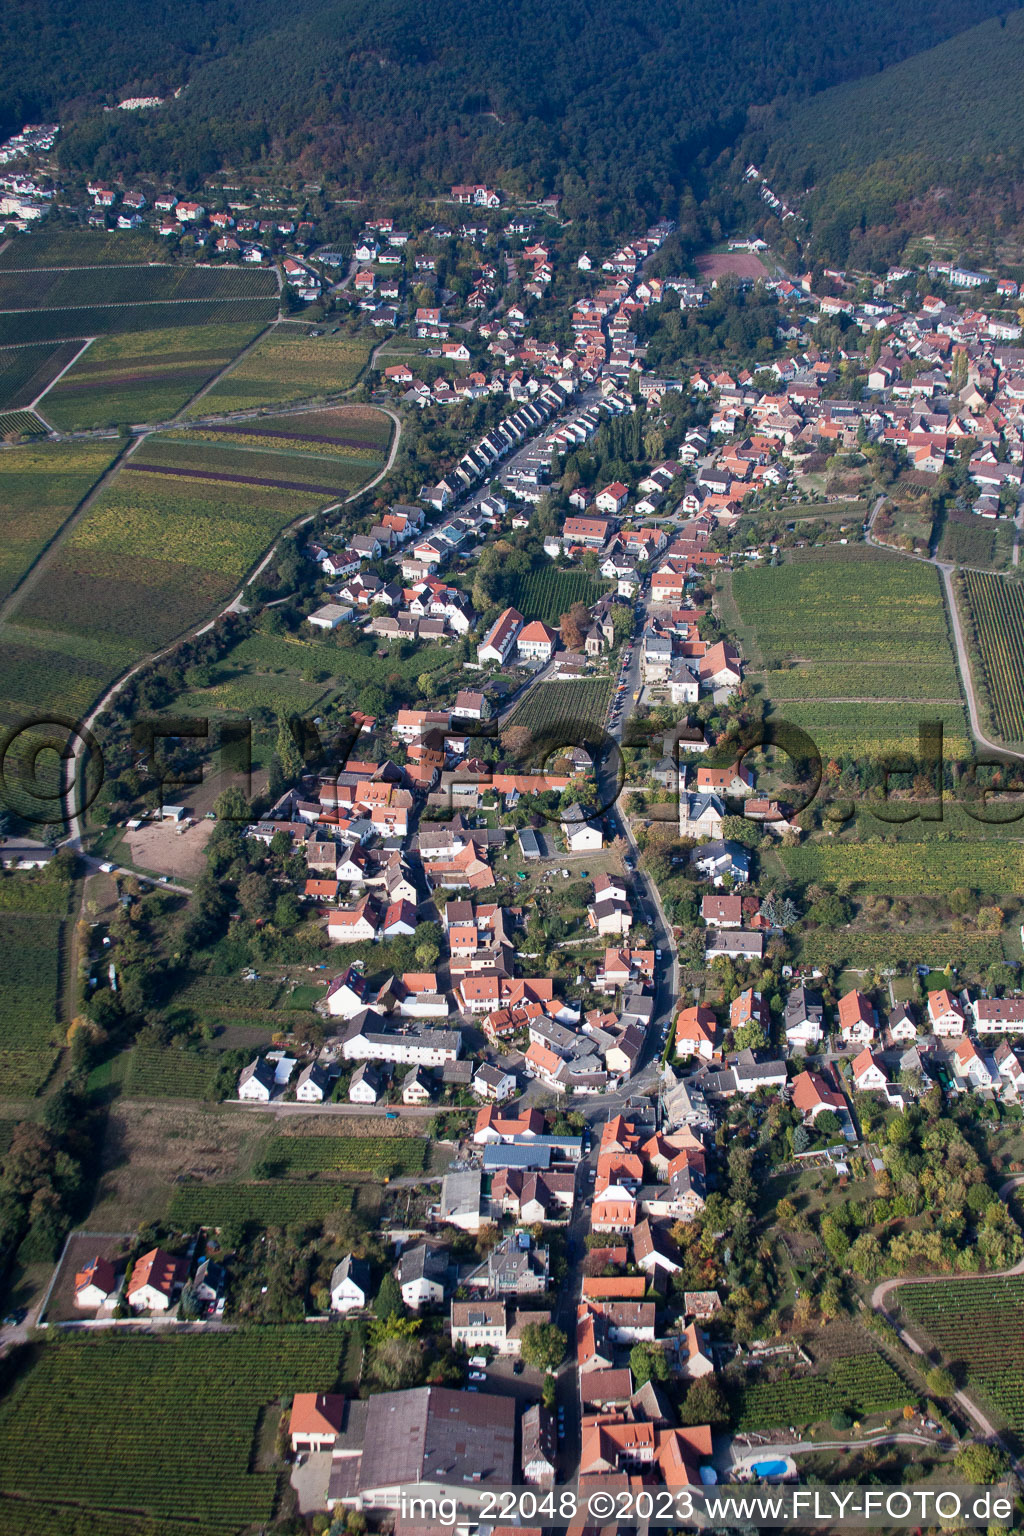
[909,868]
[383,1156]
[288,365]
[995,623]
[978,1324]
[143,376]
[53,247]
[80,287]
[168,540]
[280,1204]
[19,327]
[580,703]
[109,1414]
[858,1385]
[549,592]
[862,639]
[26,371]
[40,486]
[33,913]
[15,425]
[169,1074]
[878,949]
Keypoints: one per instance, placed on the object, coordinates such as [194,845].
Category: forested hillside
[933,144]
[619,96]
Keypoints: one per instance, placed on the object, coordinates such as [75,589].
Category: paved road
[882,1291]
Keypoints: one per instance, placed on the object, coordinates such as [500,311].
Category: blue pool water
[770,1468]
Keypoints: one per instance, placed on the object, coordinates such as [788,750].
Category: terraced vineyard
[995,612]
[858,1385]
[281,1204]
[110,1414]
[383,1156]
[980,1324]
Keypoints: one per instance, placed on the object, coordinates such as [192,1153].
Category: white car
[477,1376]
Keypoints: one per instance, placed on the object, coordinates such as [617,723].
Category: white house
[256,1082]
[155,1280]
[312,1085]
[581,835]
[868,1073]
[316,1420]
[945,1015]
[350,1285]
[366,1084]
[494,1083]
[422,1273]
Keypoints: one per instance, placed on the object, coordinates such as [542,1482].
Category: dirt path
[945,570]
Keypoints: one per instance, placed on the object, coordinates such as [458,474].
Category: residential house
[814,1092]
[316,1420]
[857,1019]
[95,1283]
[256,1082]
[804,1019]
[868,1072]
[422,1275]
[155,1281]
[350,1285]
[946,1015]
[695,1033]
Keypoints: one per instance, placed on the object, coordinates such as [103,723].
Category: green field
[281,1204]
[995,622]
[909,868]
[169,1074]
[109,1414]
[40,486]
[383,1156]
[547,593]
[288,365]
[583,702]
[167,541]
[858,1385]
[26,371]
[865,639]
[978,1324]
[33,912]
[52,247]
[143,376]
[971,953]
[84,286]
[18,327]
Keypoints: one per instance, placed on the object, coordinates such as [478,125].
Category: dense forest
[617,100]
[929,145]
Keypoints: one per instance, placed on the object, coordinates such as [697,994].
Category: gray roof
[424,1261]
[435,1434]
[460,1194]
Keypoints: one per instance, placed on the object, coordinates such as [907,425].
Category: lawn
[286,366]
[142,376]
[863,642]
[40,486]
[977,1325]
[547,593]
[99,1423]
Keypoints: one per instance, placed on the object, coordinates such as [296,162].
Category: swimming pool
[770,1468]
